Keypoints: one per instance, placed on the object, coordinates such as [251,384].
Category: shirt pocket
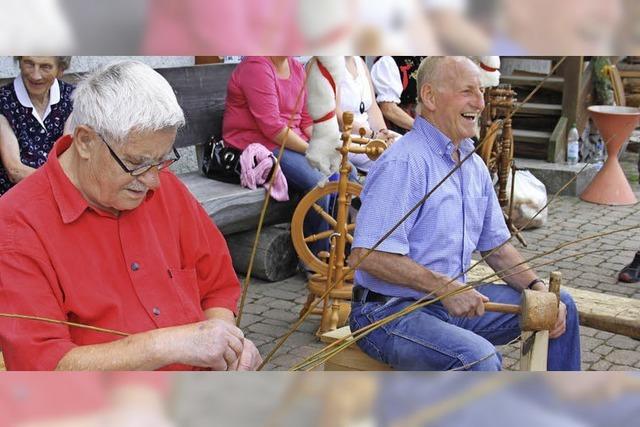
[185,285]
[474,211]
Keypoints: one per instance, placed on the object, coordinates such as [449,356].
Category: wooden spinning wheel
[332,280]
[317,262]
[497,151]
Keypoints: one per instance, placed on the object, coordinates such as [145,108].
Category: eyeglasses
[141,170]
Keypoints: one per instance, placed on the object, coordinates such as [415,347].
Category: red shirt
[161,264]
[259,104]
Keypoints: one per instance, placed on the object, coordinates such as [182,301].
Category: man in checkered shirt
[434,245]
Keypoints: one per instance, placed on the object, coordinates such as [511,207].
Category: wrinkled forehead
[460,72]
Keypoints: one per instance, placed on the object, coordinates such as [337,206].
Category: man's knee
[484,358]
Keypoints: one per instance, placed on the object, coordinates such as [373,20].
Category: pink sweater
[259,104]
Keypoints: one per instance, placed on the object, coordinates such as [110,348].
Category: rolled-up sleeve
[28,287]
[385,76]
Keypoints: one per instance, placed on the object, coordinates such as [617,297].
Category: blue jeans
[429,339]
[303,178]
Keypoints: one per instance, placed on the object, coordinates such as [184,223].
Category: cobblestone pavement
[272,308]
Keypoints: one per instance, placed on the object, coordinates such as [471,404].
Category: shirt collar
[438,141]
[70,201]
[23,97]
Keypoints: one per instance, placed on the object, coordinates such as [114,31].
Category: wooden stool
[351,358]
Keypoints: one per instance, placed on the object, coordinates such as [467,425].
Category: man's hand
[250,358]
[561,322]
[469,303]
[213,343]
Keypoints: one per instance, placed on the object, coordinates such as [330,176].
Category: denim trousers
[429,339]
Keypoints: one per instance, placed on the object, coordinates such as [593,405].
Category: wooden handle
[502,308]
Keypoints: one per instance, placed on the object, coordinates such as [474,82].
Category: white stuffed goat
[324,75]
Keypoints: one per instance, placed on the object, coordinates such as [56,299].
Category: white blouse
[355,92]
[385,76]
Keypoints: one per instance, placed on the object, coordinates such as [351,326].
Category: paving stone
[590,357]
[255,308]
[601,365]
[281,295]
[622,368]
[268,330]
[603,349]
[249,319]
[624,357]
[589,343]
[588,332]
[283,315]
[280,323]
[622,342]
[604,335]
[285,305]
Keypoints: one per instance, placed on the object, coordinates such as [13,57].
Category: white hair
[124,97]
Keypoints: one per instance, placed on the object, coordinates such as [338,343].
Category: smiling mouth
[471,117]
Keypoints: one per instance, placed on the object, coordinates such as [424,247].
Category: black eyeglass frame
[142,169]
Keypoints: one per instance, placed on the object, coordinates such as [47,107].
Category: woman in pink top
[261,99]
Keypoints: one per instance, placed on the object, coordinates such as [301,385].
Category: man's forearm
[401,270]
[392,112]
[135,352]
[506,258]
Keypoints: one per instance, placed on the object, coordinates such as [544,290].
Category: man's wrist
[537,284]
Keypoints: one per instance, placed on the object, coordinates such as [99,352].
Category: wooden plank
[2,366]
[557,149]
[201,91]
[552,83]
[539,109]
[611,313]
[531,136]
[534,350]
[234,208]
[351,358]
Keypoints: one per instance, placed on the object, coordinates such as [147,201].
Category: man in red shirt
[104,235]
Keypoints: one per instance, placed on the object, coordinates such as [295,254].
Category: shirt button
[135,266]
[156,311]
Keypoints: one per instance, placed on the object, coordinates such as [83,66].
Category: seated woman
[264,105]
[394,79]
[356,94]
[34,109]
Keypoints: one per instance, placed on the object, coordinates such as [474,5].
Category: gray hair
[124,97]
[64,62]
[430,71]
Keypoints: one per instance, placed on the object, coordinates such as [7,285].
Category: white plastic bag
[529,196]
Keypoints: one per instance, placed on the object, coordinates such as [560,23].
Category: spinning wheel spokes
[308,204]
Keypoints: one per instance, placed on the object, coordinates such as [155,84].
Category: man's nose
[151,178]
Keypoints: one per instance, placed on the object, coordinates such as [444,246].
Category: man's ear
[427,95]
[83,140]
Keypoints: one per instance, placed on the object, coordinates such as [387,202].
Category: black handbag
[221,162]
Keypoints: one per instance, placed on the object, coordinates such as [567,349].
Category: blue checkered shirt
[461,216]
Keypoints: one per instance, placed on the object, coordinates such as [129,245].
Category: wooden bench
[609,313]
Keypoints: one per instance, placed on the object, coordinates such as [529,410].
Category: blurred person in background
[535,27]
[85,399]
[394,79]
[104,235]
[356,94]
[34,110]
